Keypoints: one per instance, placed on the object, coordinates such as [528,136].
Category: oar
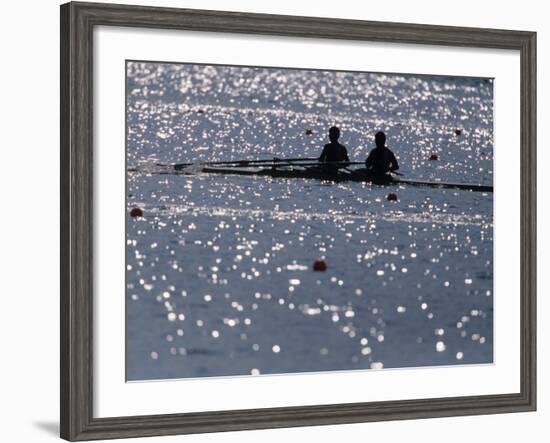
[180,166]
[294,163]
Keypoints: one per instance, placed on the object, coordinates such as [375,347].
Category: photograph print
[285,221]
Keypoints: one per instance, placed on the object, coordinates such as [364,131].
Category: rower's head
[334,134]
[380,139]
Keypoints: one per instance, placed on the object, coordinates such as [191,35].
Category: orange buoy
[136,212]
[309,132]
[392,197]
[433,157]
[320,265]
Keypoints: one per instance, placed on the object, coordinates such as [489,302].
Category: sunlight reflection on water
[219,269]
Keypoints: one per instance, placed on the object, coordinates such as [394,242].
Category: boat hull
[342,176]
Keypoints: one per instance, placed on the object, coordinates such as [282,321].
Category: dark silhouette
[381,160]
[334,151]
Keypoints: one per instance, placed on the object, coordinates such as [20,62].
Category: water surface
[219,269]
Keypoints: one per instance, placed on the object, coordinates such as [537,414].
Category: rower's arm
[323,157]
[368,161]
[394,164]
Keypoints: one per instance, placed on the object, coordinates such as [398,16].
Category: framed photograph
[272,221]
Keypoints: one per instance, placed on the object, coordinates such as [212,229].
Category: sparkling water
[220,277]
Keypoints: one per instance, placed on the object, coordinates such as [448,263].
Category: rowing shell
[342,176]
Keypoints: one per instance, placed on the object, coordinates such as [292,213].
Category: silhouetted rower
[381,160]
[334,151]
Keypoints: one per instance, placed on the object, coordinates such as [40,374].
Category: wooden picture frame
[77,23]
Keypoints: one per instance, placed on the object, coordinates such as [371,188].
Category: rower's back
[334,151]
[381,160]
